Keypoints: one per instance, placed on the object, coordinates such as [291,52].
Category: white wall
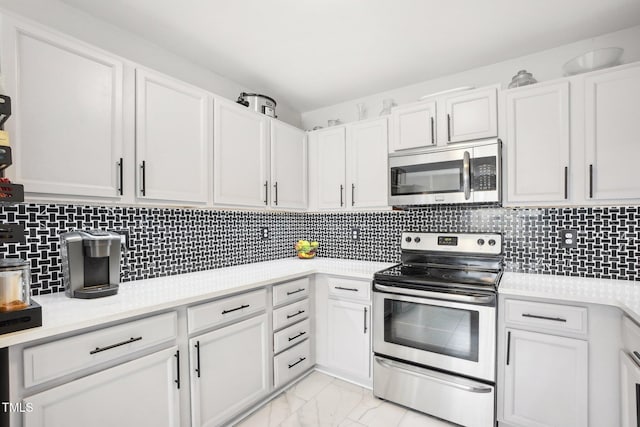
[66,19]
[545,65]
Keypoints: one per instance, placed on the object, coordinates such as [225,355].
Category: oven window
[449,331]
[428,178]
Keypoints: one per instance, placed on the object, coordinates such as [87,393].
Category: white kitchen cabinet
[288,166]
[172,139]
[240,156]
[537,143]
[471,115]
[367,172]
[67,123]
[328,157]
[349,344]
[629,389]
[612,126]
[229,370]
[414,126]
[143,392]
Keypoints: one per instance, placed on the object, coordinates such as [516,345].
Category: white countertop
[623,294]
[61,314]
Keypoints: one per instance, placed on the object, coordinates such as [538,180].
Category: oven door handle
[474,299]
[411,370]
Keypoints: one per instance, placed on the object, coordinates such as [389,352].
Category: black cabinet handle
[266,192]
[295,363]
[235,309]
[508,346]
[433,138]
[353,194]
[296,291]
[120,172]
[566,181]
[341,200]
[297,336]
[346,289]
[143,168]
[109,347]
[365,320]
[275,202]
[636,354]
[198,358]
[591,181]
[177,380]
[289,316]
[535,316]
[448,127]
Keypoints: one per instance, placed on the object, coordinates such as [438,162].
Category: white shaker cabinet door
[288,166]
[471,115]
[349,339]
[66,126]
[413,126]
[367,180]
[537,143]
[229,371]
[329,177]
[629,389]
[240,156]
[612,126]
[142,392]
[172,139]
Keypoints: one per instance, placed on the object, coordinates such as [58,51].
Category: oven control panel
[480,243]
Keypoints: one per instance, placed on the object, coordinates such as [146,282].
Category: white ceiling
[315,53]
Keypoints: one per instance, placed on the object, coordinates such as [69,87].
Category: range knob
[481,242]
[416,239]
[407,239]
[492,242]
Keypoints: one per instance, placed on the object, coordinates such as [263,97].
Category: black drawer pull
[235,309]
[296,291]
[109,347]
[347,289]
[302,359]
[297,336]
[289,316]
[535,316]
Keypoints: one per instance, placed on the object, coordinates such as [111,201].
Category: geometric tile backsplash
[168,241]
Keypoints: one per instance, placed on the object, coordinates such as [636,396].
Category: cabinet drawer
[290,291]
[348,288]
[291,363]
[291,335]
[630,335]
[217,312]
[55,359]
[289,314]
[548,316]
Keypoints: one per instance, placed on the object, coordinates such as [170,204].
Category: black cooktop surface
[440,277]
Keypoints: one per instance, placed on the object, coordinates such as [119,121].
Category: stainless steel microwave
[466,173]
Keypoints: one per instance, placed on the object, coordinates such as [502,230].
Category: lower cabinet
[229,370]
[143,392]
[348,348]
[630,390]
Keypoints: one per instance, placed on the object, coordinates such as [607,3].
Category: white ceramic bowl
[593,60]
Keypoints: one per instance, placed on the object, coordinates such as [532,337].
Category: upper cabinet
[445,119]
[240,156]
[612,126]
[67,125]
[288,166]
[173,137]
[327,180]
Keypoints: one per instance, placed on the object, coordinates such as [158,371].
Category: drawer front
[291,363]
[221,311]
[290,291]
[631,335]
[55,359]
[347,288]
[290,314]
[291,335]
[558,317]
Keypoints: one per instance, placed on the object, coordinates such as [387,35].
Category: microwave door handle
[466,175]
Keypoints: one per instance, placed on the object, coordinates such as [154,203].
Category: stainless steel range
[434,326]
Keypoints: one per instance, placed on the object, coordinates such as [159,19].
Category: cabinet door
[229,371]
[288,166]
[545,380]
[413,126]
[348,339]
[471,115]
[367,171]
[629,390]
[143,392]
[612,126]
[172,139]
[537,145]
[67,114]
[240,156]
[330,169]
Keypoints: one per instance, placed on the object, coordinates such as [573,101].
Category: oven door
[455,333]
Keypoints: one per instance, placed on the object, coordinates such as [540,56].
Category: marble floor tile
[311,385]
[384,415]
[275,412]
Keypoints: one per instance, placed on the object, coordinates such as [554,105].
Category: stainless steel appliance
[90,263]
[434,326]
[466,173]
[261,103]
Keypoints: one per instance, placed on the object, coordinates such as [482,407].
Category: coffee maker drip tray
[95,291]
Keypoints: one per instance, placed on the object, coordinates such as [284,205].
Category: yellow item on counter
[4,138]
